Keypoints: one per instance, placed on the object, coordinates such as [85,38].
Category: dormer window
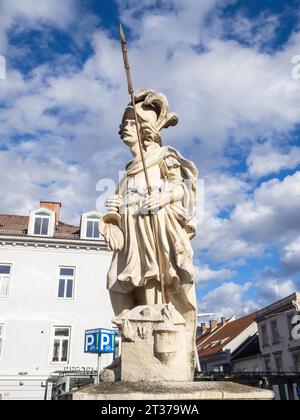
[90,226]
[41,224]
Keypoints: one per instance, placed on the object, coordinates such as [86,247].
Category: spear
[138,131]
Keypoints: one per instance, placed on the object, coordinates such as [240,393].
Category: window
[268,364]
[265,338]
[5,271]
[92,228]
[41,224]
[290,323]
[221,369]
[89,226]
[278,364]
[296,358]
[61,344]
[275,334]
[1,337]
[66,283]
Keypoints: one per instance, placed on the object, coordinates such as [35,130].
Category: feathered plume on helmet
[160,105]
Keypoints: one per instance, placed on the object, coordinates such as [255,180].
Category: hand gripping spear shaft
[138,131]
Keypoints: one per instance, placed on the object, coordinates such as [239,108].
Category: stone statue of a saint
[150,231]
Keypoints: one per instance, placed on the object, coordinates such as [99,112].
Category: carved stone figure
[150,229]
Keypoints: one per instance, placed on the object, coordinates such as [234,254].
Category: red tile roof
[212,342]
[18,225]
[14,223]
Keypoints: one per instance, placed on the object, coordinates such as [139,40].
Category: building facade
[52,289]
[279,341]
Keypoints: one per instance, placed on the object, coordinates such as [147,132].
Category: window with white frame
[92,227]
[41,224]
[5,271]
[61,344]
[279,363]
[265,338]
[296,357]
[291,324]
[66,283]
[268,366]
[275,333]
[1,337]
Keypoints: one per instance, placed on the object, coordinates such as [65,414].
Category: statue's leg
[122,301]
[151,293]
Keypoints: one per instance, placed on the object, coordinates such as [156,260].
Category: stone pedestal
[122,391]
[154,345]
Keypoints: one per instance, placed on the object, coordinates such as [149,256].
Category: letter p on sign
[105,341]
[89,341]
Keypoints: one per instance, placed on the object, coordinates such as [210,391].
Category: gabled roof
[11,225]
[215,341]
[249,348]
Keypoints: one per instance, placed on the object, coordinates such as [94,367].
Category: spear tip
[122,33]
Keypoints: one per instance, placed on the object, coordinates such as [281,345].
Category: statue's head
[152,111]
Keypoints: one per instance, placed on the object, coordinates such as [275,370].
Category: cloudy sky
[230,71]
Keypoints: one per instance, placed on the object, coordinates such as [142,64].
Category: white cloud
[227,300]
[254,221]
[204,274]
[266,159]
[272,213]
[21,14]
[290,259]
[230,299]
[25,181]
[257,33]
[53,11]
[272,290]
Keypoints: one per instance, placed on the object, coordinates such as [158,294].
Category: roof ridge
[12,215]
[61,223]
[67,224]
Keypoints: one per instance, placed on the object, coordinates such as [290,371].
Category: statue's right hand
[113,203]
[113,236]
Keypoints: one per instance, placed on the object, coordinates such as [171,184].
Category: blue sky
[226,67]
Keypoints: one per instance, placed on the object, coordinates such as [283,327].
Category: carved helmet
[153,108]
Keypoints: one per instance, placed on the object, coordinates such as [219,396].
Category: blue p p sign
[99,341]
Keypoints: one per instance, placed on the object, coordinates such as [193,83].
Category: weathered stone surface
[170,391]
[112,373]
[154,345]
[108,375]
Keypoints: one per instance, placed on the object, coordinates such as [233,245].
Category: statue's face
[128,132]
[128,127]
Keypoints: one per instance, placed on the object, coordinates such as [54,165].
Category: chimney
[213,325]
[51,205]
[223,320]
[203,327]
